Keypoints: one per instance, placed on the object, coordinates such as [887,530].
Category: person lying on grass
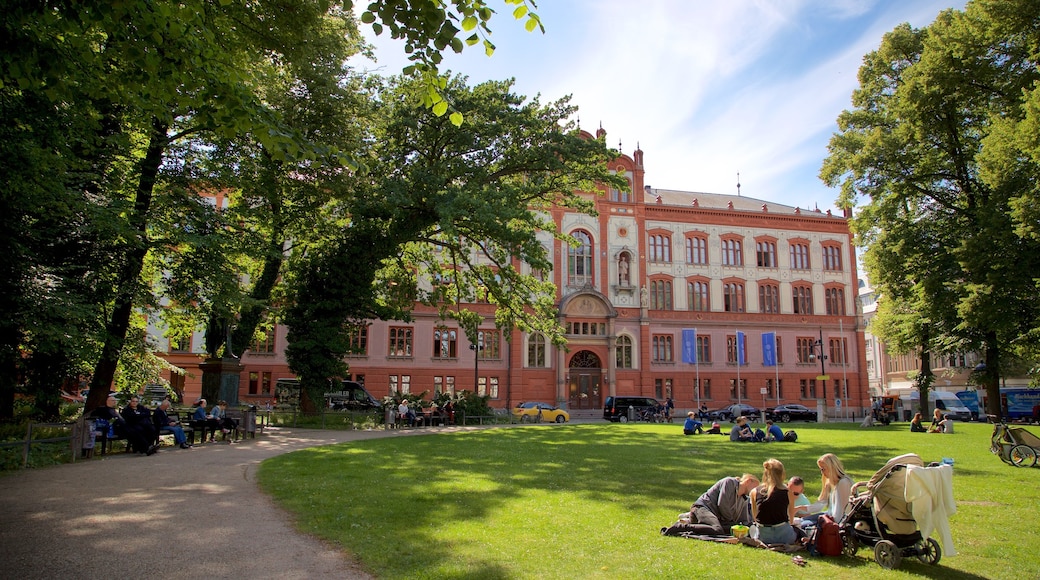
[724,505]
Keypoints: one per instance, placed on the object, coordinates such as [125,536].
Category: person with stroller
[692,425]
[724,505]
[916,426]
[837,487]
[772,505]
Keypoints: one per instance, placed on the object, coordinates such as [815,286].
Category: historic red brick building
[652,263]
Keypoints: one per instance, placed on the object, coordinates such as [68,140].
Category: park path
[191,513]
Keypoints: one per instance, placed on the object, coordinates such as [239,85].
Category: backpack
[826,538]
[790,436]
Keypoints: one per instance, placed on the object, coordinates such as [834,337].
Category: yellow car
[538,412]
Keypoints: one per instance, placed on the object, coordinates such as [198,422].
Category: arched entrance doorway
[585,377]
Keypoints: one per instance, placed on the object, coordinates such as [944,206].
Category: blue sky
[707,88]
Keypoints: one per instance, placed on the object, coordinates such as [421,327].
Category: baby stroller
[881,517]
[1014,445]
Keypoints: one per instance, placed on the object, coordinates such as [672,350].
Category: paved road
[194,513]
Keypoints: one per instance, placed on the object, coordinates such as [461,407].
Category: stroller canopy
[887,490]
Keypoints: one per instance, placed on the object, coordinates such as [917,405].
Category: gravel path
[192,513]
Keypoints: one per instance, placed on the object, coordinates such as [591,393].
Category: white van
[945,401]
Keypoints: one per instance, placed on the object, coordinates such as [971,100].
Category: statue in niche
[622,268]
[644,297]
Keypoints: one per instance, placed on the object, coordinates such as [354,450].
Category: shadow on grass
[387,500]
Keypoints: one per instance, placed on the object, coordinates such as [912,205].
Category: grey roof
[721,201]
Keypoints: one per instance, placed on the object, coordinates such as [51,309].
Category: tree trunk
[991,377]
[130,270]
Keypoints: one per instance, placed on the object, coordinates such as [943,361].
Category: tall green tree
[446,215]
[105,102]
[918,145]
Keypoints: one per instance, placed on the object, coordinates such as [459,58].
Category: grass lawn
[588,500]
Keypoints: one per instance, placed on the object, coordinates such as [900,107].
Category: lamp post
[476,347]
[821,403]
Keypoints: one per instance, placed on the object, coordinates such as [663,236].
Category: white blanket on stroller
[929,491]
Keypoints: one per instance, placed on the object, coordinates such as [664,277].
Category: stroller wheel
[887,554]
[851,546]
[928,551]
[1023,456]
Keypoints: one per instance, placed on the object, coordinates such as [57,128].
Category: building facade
[650,265]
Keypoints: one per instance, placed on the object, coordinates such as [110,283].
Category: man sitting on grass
[692,425]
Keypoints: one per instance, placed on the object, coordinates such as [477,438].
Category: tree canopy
[938,145]
[112,113]
[448,216]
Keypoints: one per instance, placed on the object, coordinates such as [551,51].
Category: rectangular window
[703,349]
[254,383]
[400,342]
[264,345]
[265,383]
[778,392]
[406,384]
[733,389]
[357,335]
[449,385]
[660,248]
[839,351]
[705,388]
[659,388]
[392,381]
[779,350]
[832,258]
[662,348]
[180,344]
[491,344]
[769,299]
[799,256]
[732,253]
[765,252]
[438,385]
[733,297]
[697,295]
[445,343]
[623,347]
[807,388]
[697,251]
[802,296]
[804,349]
[482,386]
[731,349]
[835,298]
[493,387]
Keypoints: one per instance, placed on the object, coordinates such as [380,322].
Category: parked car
[726,413]
[528,412]
[616,408]
[788,413]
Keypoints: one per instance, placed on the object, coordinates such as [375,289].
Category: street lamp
[821,404]
[476,347]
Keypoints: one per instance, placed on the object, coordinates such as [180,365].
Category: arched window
[624,352]
[660,295]
[536,350]
[697,295]
[579,260]
[660,248]
[835,299]
[769,298]
[802,296]
[733,297]
[697,251]
[732,252]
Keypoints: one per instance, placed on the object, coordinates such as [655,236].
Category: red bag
[826,540]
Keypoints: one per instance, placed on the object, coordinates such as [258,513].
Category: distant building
[652,263]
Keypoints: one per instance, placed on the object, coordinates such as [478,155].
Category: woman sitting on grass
[772,504]
[916,426]
[837,487]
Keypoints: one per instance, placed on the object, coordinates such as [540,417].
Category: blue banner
[689,345]
[740,349]
[769,349]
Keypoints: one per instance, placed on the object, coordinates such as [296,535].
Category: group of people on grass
[940,423]
[141,426]
[774,504]
[741,430]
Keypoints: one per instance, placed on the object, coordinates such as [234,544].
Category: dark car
[788,413]
[616,408]
[726,413]
[352,396]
